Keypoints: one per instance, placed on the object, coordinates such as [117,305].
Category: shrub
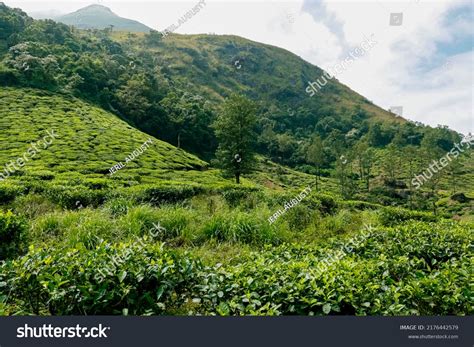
[240,227]
[359,205]
[138,277]
[43,175]
[300,216]
[74,197]
[329,204]
[340,223]
[233,196]
[8,192]
[12,235]
[157,195]
[242,195]
[402,271]
[97,183]
[32,205]
[395,215]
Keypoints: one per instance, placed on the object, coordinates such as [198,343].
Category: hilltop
[101,17]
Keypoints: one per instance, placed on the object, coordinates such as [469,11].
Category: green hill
[217,65]
[101,17]
[89,142]
[154,82]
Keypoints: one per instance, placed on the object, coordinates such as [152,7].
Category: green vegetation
[169,233]
[12,235]
[235,131]
[417,268]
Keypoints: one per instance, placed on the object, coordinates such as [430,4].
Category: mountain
[217,65]
[101,17]
[172,88]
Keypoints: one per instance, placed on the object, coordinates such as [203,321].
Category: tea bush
[244,196]
[32,205]
[410,277]
[138,277]
[159,194]
[396,215]
[9,191]
[13,235]
[416,269]
[73,197]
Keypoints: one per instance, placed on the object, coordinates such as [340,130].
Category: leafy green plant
[394,215]
[13,235]
[143,279]
[8,192]
[240,227]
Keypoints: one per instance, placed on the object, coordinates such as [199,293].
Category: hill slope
[89,141]
[101,17]
[217,65]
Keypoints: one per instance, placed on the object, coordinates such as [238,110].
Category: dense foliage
[106,280]
[414,269]
[12,235]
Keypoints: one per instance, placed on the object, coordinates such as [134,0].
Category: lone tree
[315,156]
[235,132]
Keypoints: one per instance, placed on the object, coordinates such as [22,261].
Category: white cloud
[405,68]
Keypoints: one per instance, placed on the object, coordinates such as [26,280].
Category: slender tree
[235,132]
[315,156]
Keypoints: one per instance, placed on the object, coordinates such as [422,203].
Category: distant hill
[101,17]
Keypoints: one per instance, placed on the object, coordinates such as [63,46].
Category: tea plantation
[168,235]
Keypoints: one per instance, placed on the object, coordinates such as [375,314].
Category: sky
[425,64]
